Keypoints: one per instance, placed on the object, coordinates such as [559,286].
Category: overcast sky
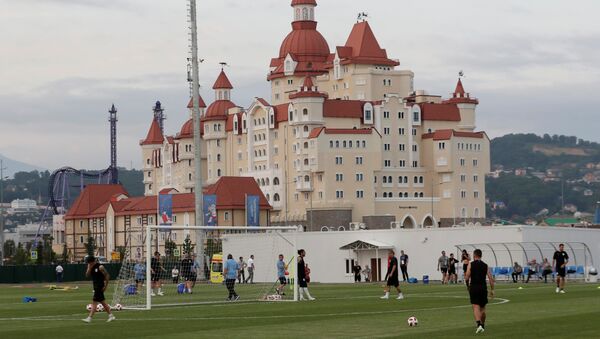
[533,64]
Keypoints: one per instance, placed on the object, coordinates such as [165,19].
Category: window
[475,178]
[149,174]
[386,147]
[339,194]
[147,161]
[415,180]
[320,194]
[442,145]
[337,144]
[385,194]
[463,194]
[387,163]
[339,177]
[344,144]
[359,177]
[276,197]
[290,81]
[360,194]
[218,156]
[291,116]
[226,216]
[463,178]
[364,144]
[401,147]
[305,196]
[386,130]
[276,150]
[306,145]
[296,196]
[386,115]
[330,143]
[339,160]
[462,161]
[414,148]
[476,213]
[368,115]
[475,162]
[416,117]
[414,131]
[218,172]
[189,176]
[401,131]
[475,194]
[400,115]
[415,164]
[359,160]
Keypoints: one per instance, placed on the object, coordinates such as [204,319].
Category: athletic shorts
[452,270]
[155,278]
[139,281]
[393,281]
[189,277]
[465,267]
[561,271]
[302,283]
[444,269]
[98,295]
[478,296]
[282,280]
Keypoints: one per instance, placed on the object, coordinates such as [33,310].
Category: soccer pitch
[340,311]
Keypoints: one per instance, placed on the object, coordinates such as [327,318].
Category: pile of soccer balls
[100,308]
[412,321]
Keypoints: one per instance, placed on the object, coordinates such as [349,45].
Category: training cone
[520,287]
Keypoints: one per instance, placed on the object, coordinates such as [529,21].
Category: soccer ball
[88,307]
[118,307]
[99,308]
[412,321]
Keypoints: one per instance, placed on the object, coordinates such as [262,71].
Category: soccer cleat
[384,297]
[152,294]
[87,320]
[479,329]
[557,290]
[400,296]
[562,291]
[311,298]
[110,318]
[161,294]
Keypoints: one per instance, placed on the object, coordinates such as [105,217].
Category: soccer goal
[184,265]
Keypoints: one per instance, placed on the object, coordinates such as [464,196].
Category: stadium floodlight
[175,276]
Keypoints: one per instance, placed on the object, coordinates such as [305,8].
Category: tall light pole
[2,168]
[199,214]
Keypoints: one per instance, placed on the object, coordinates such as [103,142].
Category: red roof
[362,48]
[459,88]
[229,123]
[308,90]
[222,82]
[218,110]
[154,135]
[447,134]
[317,131]
[460,96]
[439,112]
[202,104]
[281,113]
[92,198]
[304,2]
[187,130]
[263,101]
[305,43]
[231,192]
[343,108]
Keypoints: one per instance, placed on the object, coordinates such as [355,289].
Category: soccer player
[187,273]
[242,274]
[452,276]
[303,276]
[404,265]
[230,271]
[100,282]
[559,262]
[443,266]
[392,277]
[195,270]
[156,269]
[465,259]
[477,271]
[281,267]
[140,275]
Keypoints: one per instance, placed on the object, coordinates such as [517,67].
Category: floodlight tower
[159,115]
[112,118]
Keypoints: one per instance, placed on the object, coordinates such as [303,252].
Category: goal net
[183,265]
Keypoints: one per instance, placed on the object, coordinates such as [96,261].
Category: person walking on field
[465,259]
[475,278]
[100,279]
[356,269]
[392,277]
[559,261]
[404,265]
[303,276]
[443,266]
[230,271]
[251,268]
[242,274]
[59,273]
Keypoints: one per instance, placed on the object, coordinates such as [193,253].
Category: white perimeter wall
[423,246]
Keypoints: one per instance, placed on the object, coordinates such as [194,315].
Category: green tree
[40,253]
[90,245]
[122,250]
[48,255]
[170,248]
[65,254]
[188,247]
[21,256]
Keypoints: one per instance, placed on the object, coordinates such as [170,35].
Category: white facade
[23,204]
[423,246]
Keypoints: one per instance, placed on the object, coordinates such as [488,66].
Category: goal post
[174,277]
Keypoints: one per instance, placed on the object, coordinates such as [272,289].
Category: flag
[165,210]
[252,210]
[210,210]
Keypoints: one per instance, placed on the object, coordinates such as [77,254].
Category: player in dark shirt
[303,276]
[559,262]
[156,270]
[392,277]
[477,271]
[452,276]
[100,282]
[187,273]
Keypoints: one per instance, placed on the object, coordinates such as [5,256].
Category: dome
[187,130]
[219,108]
[305,43]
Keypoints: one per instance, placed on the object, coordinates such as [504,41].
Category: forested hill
[543,152]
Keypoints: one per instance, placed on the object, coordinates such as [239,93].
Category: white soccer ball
[412,321]
[99,308]
[118,307]
[88,307]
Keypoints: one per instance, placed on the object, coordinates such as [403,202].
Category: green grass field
[340,311]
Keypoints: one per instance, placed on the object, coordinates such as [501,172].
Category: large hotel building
[345,138]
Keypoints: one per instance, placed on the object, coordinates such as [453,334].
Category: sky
[532,64]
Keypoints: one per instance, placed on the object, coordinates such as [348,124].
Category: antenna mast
[112,118]
[197,156]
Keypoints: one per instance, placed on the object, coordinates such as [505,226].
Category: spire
[460,96]
[362,47]
[154,136]
[200,100]
[459,89]
[222,81]
[308,83]
[308,90]
[304,10]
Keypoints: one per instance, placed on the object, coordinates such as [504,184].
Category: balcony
[304,186]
